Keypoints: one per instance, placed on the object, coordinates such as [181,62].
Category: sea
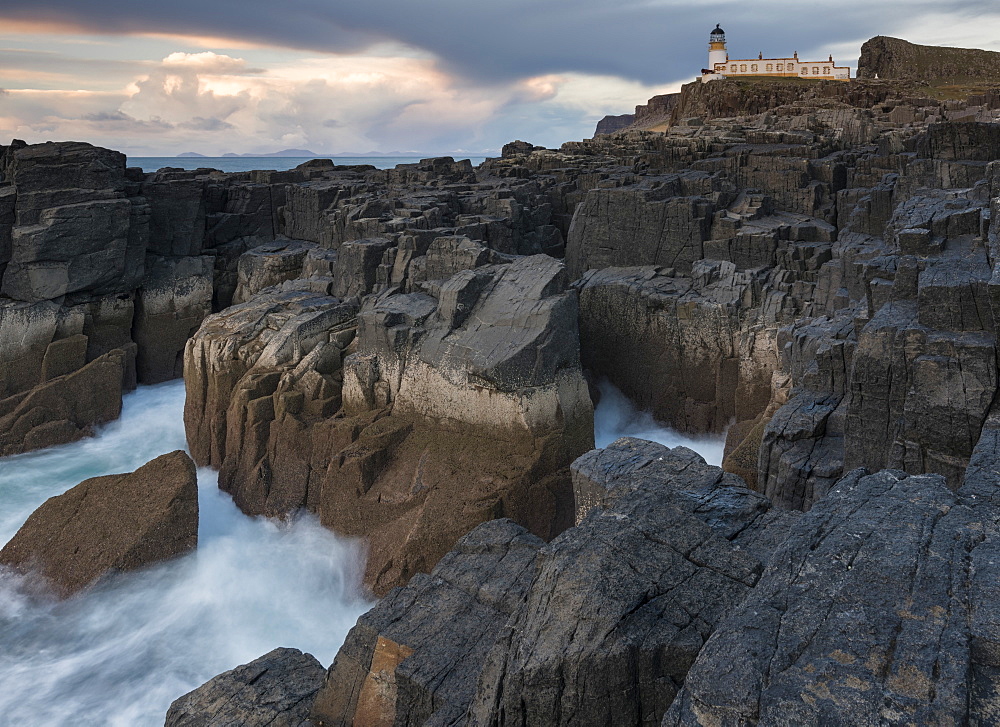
[281,164]
[120,653]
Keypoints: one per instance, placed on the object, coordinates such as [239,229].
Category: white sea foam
[118,655]
[616,416]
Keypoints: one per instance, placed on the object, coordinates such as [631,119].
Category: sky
[157,78]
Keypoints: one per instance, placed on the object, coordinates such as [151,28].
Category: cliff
[611,124]
[885,57]
[655,111]
[747,97]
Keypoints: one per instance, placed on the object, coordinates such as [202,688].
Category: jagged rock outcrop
[268,265]
[485,379]
[873,610]
[480,375]
[621,604]
[415,657]
[610,124]
[84,270]
[276,690]
[601,624]
[65,407]
[276,356]
[895,58]
[644,324]
[77,229]
[110,524]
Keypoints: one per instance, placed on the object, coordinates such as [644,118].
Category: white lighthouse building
[720,65]
[717,54]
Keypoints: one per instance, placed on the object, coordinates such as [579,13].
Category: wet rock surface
[109,524]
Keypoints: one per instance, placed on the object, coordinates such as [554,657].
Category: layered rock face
[110,524]
[74,238]
[93,297]
[97,257]
[480,376]
[833,303]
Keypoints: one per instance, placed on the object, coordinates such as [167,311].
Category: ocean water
[616,416]
[119,654]
[246,164]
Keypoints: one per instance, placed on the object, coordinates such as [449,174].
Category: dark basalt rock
[621,604]
[175,297]
[415,657]
[600,624]
[110,524]
[811,262]
[276,690]
[268,265]
[872,611]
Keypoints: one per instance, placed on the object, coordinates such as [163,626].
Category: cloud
[389,98]
[504,40]
[389,74]
[209,62]
[199,123]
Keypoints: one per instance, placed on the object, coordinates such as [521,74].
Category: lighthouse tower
[717,48]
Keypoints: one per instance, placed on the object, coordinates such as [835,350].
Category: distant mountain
[282,153]
[190,154]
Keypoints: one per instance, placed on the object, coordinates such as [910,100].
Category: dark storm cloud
[488,42]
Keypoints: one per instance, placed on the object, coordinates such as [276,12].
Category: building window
[781,66]
[815,70]
[804,70]
[754,68]
[743,68]
[770,67]
[732,68]
[826,70]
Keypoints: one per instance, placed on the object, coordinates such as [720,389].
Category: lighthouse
[717,56]
[717,48]
[720,65]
